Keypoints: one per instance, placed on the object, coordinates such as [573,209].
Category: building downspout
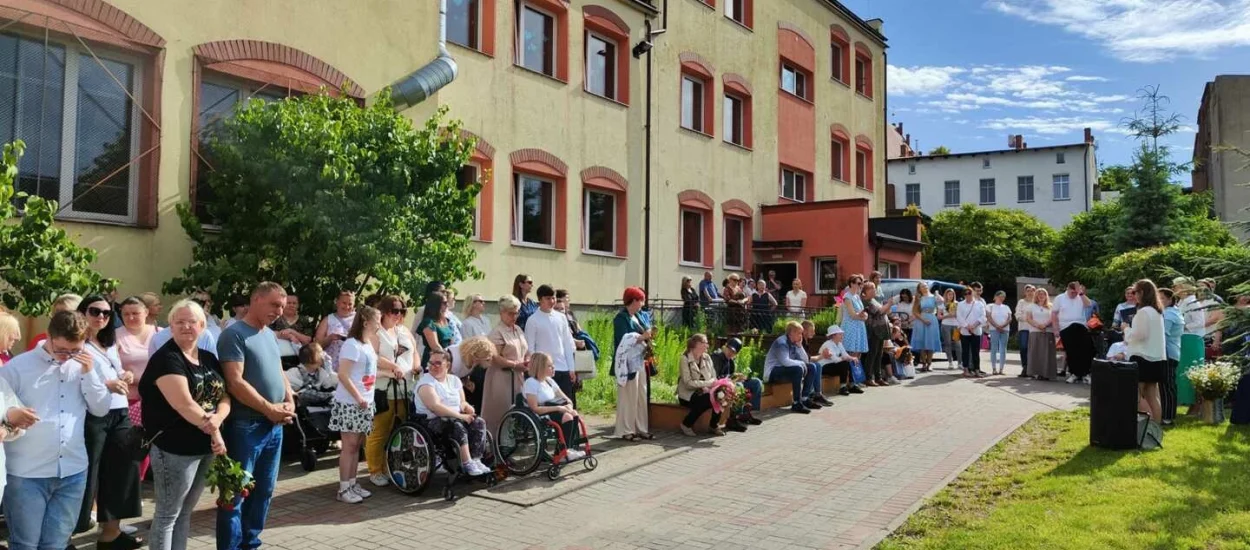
[435,75]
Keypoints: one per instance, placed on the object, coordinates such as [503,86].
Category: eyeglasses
[97,312]
[529,282]
[185,324]
[433,364]
[66,352]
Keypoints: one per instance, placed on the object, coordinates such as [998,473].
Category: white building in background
[1053,183]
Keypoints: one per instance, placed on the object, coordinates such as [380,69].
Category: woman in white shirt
[440,398]
[474,322]
[1147,346]
[395,347]
[999,316]
[543,396]
[1042,361]
[352,412]
[796,299]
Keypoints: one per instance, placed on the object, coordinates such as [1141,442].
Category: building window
[838,51]
[735,232]
[692,237]
[79,125]
[793,185]
[1024,189]
[468,175]
[911,169]
[692,111]
[216,104]
[1059,158]
[863,72]
[601,66]
[794,80]
[838,153]
[600,216]
[826,270]
[889,270]
[985,163]
[951,193]
[987,191]
[1062,187]
[861,169]
[533,211]
[463,23]
[912,194]
[734,114]
[536,40]
[739,11]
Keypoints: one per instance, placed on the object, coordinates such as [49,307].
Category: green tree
[1116,177]
[40,261]
[319,193]
[990,245]
[1162,263]
[940,150]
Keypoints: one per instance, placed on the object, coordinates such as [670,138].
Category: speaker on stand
[1113,405]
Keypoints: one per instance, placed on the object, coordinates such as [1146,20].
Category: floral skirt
[350,418]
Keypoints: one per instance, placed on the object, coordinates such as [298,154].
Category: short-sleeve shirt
[207,386]
[364,373]
[448,392]
[544,391]
[1071,311]
[262,363]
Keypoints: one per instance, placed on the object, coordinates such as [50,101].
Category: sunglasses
[401,311]
[97,312]
[529,282]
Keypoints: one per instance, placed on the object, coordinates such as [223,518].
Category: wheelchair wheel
[591,463]
[553,473]
[308,459]
[489,457]
[520,443]
[410,459]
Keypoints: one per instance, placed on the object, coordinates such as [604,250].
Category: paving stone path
[842,477]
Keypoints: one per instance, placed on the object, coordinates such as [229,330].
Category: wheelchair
[309,435]
[413,454]
[527,440]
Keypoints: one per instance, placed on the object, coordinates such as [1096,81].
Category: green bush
[1161,264]
[822,319]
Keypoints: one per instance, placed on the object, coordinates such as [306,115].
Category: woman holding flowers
[184,403]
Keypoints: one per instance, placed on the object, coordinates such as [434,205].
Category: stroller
[310,435]
[413,454]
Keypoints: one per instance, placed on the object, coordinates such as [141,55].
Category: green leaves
[40,260]
[319,193]
[993,246]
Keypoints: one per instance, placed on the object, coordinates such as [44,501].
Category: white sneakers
[351,492]
[379,480]
[475,467]
[576,454]
[1071,378]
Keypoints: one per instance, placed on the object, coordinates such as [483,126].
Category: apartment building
[767,124]
[1053,183]
[1224,124]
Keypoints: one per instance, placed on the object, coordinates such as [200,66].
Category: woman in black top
[689,302]
[184,403]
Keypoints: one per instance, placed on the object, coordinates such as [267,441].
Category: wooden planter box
[668,416]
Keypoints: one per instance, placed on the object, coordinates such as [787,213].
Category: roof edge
[859,22]
[990,152]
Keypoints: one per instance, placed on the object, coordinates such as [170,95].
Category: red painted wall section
[796,118]
[827,229]
[908,262]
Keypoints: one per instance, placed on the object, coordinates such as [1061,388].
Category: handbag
[381,401]
[135,443]
[857,373]
[584,364]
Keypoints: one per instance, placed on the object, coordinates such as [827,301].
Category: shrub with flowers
[1214,380]
[227,478]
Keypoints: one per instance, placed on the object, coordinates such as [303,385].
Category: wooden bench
[668,416]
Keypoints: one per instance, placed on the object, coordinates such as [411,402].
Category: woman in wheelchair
[448,414]
[544,398]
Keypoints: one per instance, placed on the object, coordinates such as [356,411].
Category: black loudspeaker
[1113,405]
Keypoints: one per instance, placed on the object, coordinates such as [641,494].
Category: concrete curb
[566,488]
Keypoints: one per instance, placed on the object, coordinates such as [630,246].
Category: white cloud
[1143,30]
[1055,125]
[921,80]
[1083,78]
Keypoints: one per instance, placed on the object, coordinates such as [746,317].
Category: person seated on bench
[313,382]
[812,346]
[835,361]
[440,397]
[723,362]
[787,360]
[694,381]
[544,398]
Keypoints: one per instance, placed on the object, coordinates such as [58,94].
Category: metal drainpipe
[424,82]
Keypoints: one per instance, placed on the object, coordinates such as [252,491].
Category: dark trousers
[1079,348]
[873,370]
[116,495]
[571,431]
[791,373]
[565,381]
[1167,390]
[970,352]
[698,404]
[1022,338]
[841,370]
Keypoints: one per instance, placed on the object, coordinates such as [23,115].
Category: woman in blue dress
[853,317]
[926,332]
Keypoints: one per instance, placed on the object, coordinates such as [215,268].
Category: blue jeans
[41,512]
[998,349]
[792,373]
[811,382]
[756,387]
[1022,338]
[257,444]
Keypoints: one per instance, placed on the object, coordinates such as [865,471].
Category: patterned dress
[856,339]
[927,337]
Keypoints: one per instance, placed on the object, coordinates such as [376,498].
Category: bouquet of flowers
[227,478]
[741,397]
[1214,380]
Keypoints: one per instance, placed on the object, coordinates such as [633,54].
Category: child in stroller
[314,385]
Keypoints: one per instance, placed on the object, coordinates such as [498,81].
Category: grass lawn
[1044,487]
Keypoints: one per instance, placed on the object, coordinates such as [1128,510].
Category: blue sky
[966,73]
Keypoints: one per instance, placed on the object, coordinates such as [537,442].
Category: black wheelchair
[309,435]
[527,440]
[413,454]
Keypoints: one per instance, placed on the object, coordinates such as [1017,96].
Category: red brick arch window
[605,212]
[737,111]
[539,199]
[542,37]
[606,57]
[864,169]
[840,54]
[694,242]
[840,153]
[696,108]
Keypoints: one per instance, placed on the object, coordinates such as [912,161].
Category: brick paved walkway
[839,478]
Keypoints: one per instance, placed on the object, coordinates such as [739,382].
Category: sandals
[646,436]
[630,437]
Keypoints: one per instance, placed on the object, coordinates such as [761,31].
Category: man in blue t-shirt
[263,404]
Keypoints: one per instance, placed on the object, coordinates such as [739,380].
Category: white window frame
[816,265]
[611,92]
[555,38]
[889,270]
[697,123]
[800,81]
[911,168]
[798,184]
[1060,158]
[907,189]
[1032,187]
[586,221]
[734,128]
[735,10]
[681,235]
[946,188]
[993,189]
[477,37]
[518,218]
[1067,186]
[69,131]
[985,163]
[742,251]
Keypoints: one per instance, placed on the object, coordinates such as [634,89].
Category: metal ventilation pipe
[420,85]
